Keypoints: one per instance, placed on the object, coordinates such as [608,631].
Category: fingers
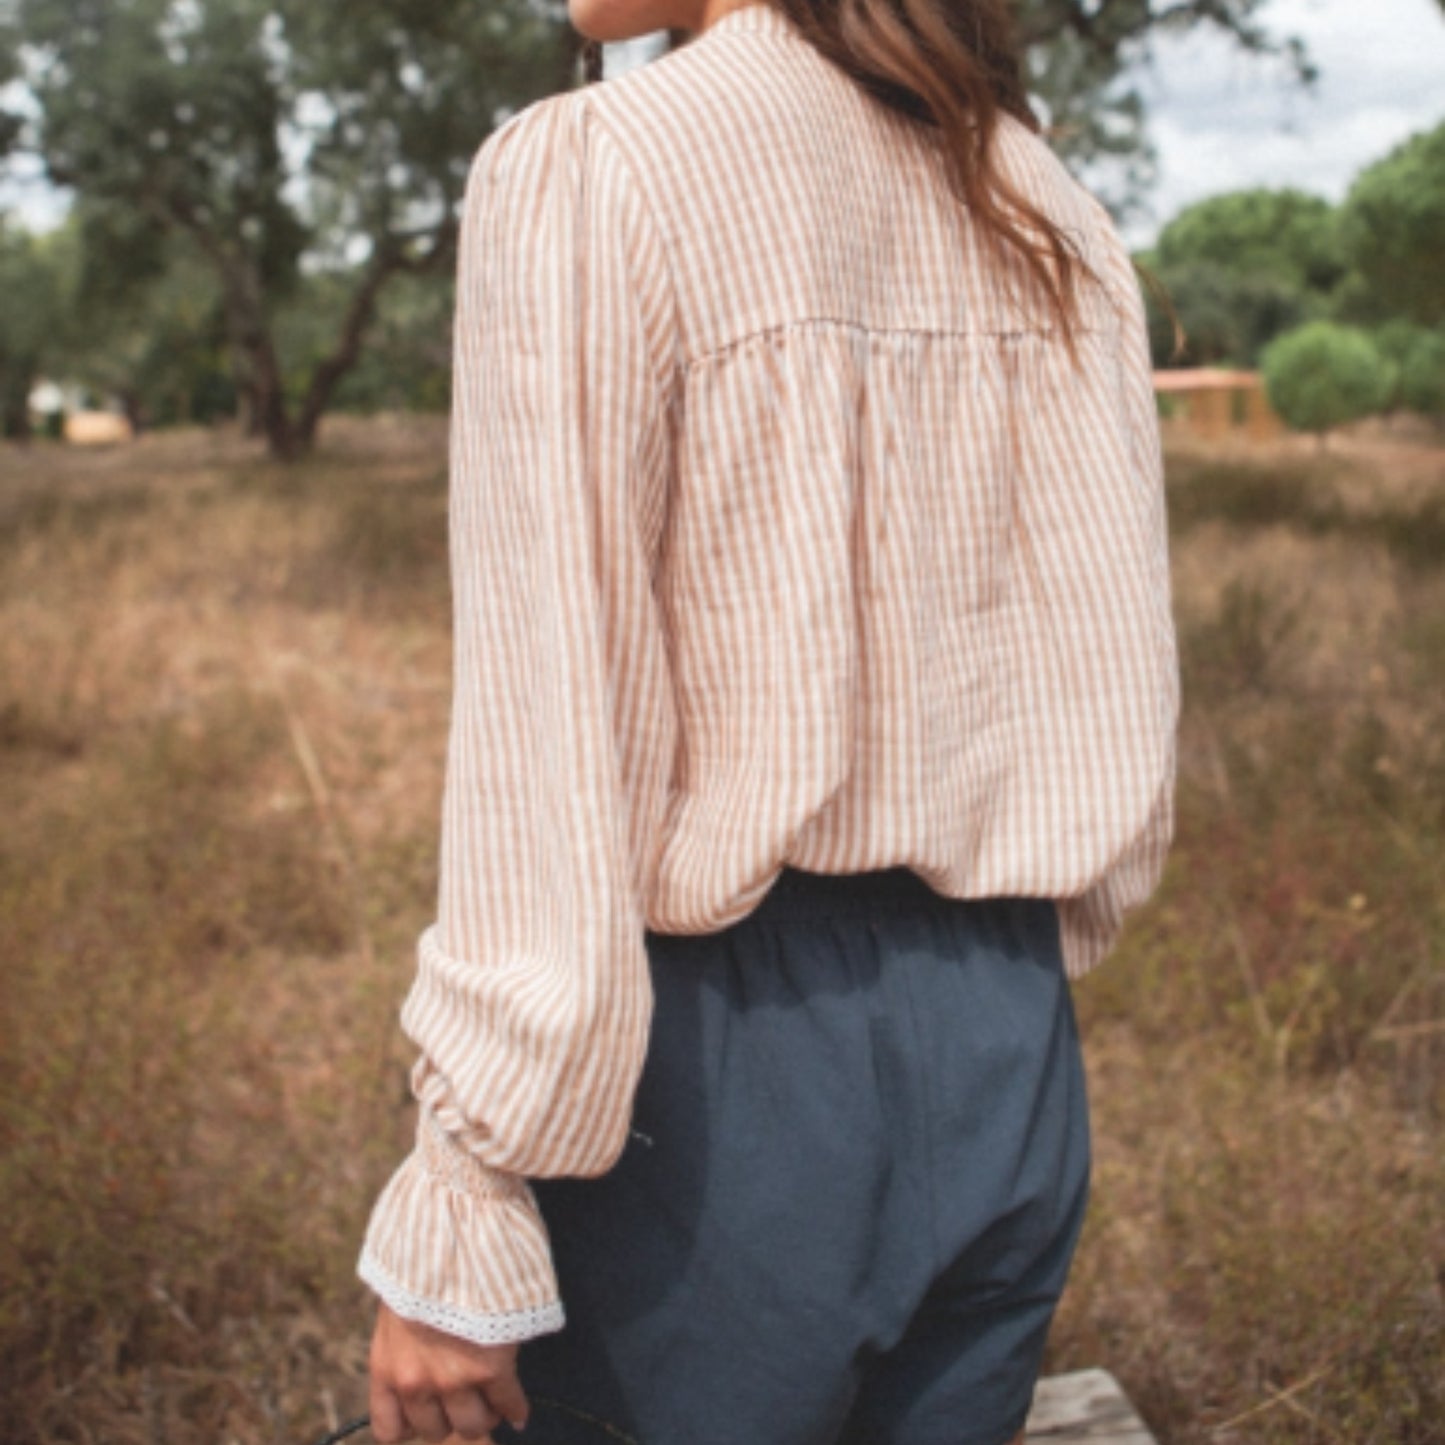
[427,1417]
[471,1417]
[434,1418]
[427,1383]
[505,1395]
[388,1423]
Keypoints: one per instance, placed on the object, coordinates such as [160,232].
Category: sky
[1222,120]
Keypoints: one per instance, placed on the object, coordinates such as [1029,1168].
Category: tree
[1422,377]
[1286,235]
[1228,317]
[9,73]
[30,287]
[1417,358]
[1391,226]
[280,140]
[1322,375]
[283,139]
[137,317]
[1244,267]
[1081,54]
[408,368]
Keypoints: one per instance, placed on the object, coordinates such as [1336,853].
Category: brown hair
[953,65]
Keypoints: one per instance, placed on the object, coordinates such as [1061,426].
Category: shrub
[1417,356]
[1422,376]
[1322,375]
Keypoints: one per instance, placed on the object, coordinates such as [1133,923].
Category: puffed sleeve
[1090,922]
[531,1003]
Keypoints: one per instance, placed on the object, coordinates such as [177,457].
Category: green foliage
[1286,235]
[1228,316]
[31,290]
[1391,226]
[1245,267]
[147,318]
[9,71]
[1323,375]
[1242,269]
[406,365]
[1422,376]
[280,145]
[1417,355]
[169,123]
[1079,56]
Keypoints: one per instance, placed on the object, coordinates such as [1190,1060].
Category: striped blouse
[782,531]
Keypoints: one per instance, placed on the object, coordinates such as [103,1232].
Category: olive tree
[284,138]
[280,138]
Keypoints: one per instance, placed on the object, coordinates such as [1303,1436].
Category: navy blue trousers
[857,1173]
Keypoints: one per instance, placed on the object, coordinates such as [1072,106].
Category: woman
[815,702]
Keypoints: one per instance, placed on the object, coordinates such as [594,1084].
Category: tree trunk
[283,438]
[15,424]
[259,380]
[258,371]
[130,403]
[15,400]
[347,351]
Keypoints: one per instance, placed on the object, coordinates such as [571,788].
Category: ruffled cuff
[456,1245]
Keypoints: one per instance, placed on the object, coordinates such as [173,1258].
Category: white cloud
[1224,120]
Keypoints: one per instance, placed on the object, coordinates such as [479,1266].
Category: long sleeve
[1090,923]
[531,1002]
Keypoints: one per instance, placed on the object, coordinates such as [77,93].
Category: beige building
[1212,402]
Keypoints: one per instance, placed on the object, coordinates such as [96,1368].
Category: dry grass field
[223,700]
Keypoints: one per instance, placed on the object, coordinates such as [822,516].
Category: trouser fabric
[858,1168]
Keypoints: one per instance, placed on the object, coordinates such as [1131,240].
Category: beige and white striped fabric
[782,531]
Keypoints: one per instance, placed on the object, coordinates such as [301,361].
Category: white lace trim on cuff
[481,1329]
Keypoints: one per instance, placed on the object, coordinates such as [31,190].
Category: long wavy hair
[953,65]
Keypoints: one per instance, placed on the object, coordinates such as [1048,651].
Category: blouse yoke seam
[683,363]
[872,329]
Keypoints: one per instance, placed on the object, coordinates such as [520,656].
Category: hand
[428,1383]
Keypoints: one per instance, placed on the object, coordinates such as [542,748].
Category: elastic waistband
[800,894]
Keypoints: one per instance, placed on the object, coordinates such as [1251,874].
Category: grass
[1299,496]
[223,697]
[1265,1255]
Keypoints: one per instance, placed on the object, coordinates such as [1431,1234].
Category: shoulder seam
[529,113]
[680,349]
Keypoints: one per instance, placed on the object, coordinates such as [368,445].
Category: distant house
[97,428]
[63,410]
[1211,402]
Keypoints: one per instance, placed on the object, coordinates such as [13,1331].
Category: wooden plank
[1084,1405]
